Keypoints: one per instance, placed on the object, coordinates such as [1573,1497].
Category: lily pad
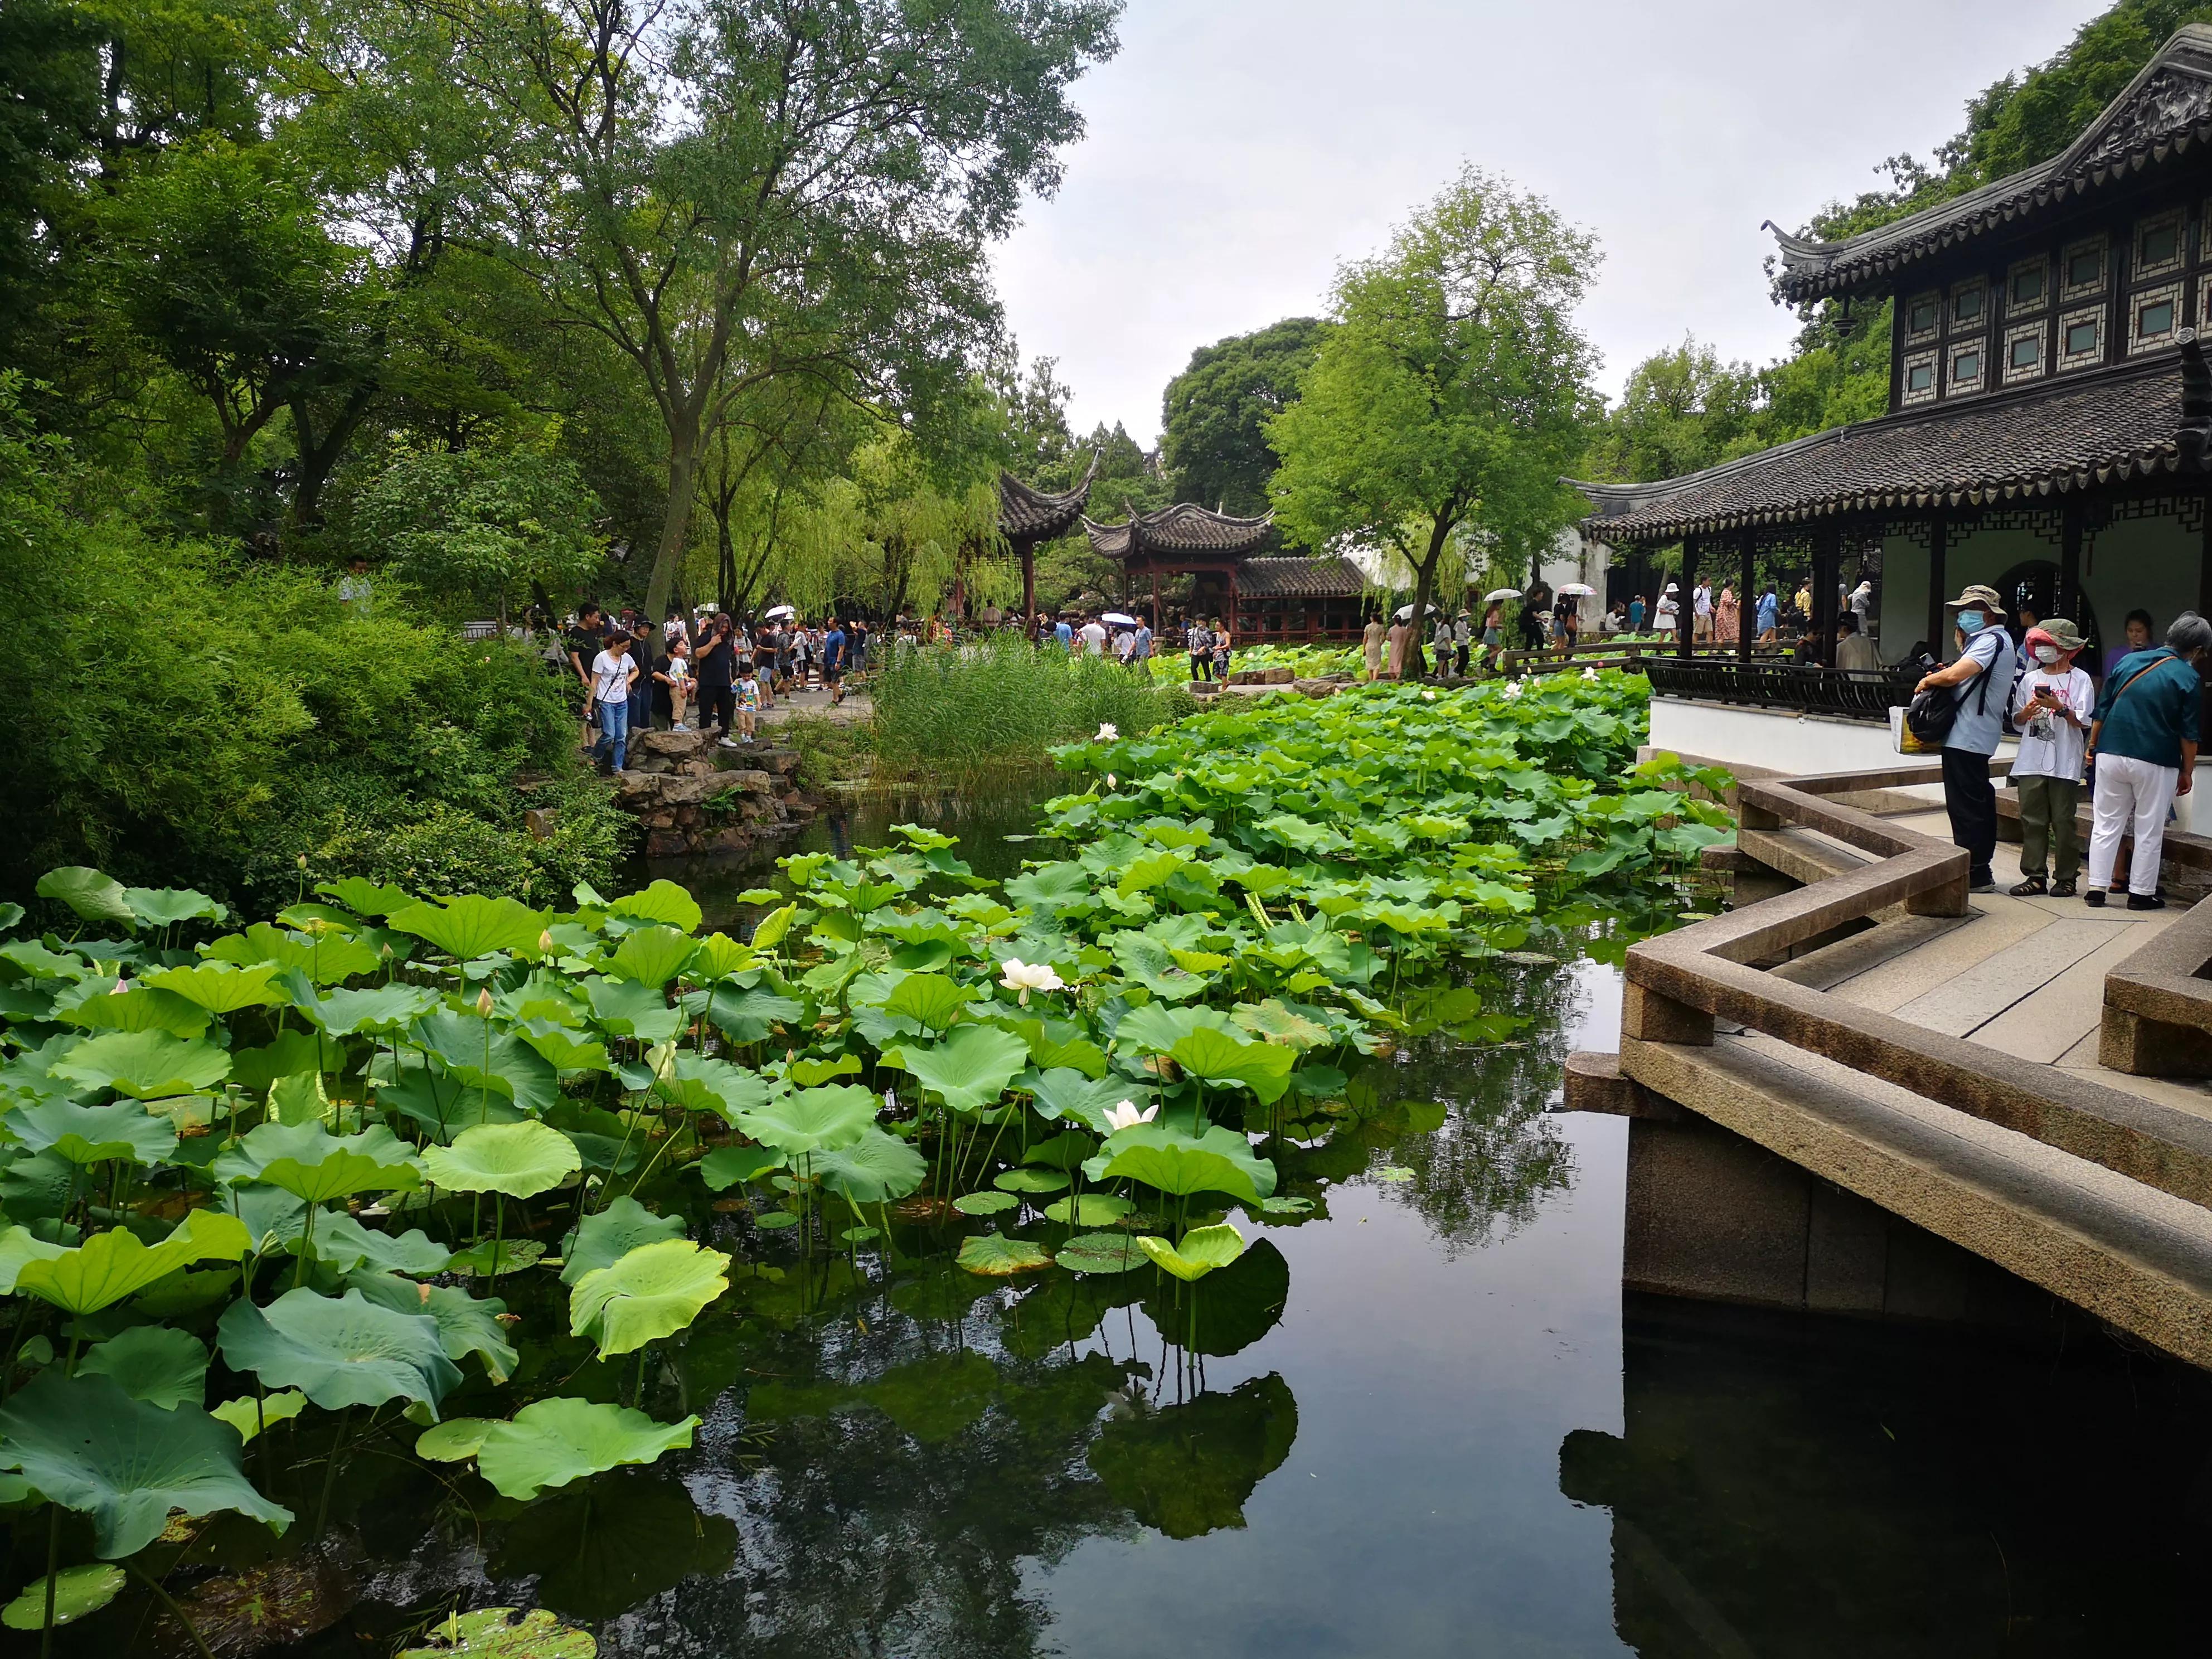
[605,1238]
[250,1417]
[122,1131]
[78,1591]
[338,1351]
[92,894]
[985,1203]
[1092,1210]
[654,1291]
[1031,1181]
[1199,1252]
[969,1069]
[472,925]
[153,1363]
[84,1444]
[456,1440]
[519,1159]
[502,1633]
[150,1065]
[996,1256]
[876,1169]
[1101,1253]
[726,1166]
[513,1256]
[551,1442]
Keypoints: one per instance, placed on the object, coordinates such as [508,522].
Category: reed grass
[999,703]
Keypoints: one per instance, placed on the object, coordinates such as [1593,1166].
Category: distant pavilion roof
[1028,514]
[1299,577]
[2111,426]
[2166,110]
[1183,531]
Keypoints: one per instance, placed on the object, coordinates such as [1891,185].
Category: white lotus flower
[1126,1116]
[1110,779]
[1028,976]
[891,1100]
[1107,732]
[1590,673]
[1428,696]
[1512,690]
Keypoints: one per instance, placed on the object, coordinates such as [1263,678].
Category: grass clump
[1001,703]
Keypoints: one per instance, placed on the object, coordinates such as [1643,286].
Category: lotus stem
[53,1566]
[330,1469]
[167,1601]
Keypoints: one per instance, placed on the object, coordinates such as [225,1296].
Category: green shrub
[1000,702]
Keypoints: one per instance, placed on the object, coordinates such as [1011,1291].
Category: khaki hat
[1975,594]
[2063,634]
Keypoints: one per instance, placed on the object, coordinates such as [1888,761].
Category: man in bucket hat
[2051,708]
[1980,680]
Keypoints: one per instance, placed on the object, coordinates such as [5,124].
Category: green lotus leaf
[93,895]
[111,1265]
[17,1246]
[1100,1252]
[338,1351]
[750,1015]
[365,898]
[343,1243]
[628,1008]
[876,1169]
[1172,1160]
[1092,1210]
[1062,1093]
[502,1633]
[1155,1028]
[324,959]
[1272,1021]
[95,1135]
[772,928]
[728,1166]
[969,1069]
[808,1071]
[931,1000]
[994,1255]
[519,1159]
[566,1052]
[472,925]
[653,956]
[466,1325]
[491,1258]
[221,988]
[455,1440]
[150,1065]
[656,1290]
[153,1363]
[1050,887]
[1262,1067]
[701,1085]
[662,902]
[1200,1251]
[299,1100]
[985,1203]
[774,1220]
[84,1444]
[291,1054]
[605,1238]
[251,1416]
[551,1442]
[377,1008]
[78,1591]
[310,1162]
[137,1010]
[1056,1045]
[810,1121]
[1031,1181]
[480,1058]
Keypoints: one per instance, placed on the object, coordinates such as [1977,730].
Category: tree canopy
[1214,438]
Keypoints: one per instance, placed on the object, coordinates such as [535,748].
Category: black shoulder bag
[1932,712]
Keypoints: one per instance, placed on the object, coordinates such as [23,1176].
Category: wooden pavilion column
[1939,548]
[1827,553]
[1028,582]
[1746,602]
[1683,621]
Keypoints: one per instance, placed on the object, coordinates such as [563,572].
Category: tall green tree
[745,190]
[1454,391]
[1215,437]
[1682,409]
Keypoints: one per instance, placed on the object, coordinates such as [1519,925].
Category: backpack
[1932,712]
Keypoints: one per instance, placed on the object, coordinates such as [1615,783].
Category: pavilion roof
[1029,514]
[1297,577]
[2165,111]
[1181,531]
[2110,426]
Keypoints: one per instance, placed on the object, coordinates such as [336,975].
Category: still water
[1424,1421]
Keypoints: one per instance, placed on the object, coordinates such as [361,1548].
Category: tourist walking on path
[1372,639]
[1462,642]
[1400,634]
[2051,707]
[1200,644]
[1094,637]
[1493,636]
[1220,651]
[1701,610]
[1636,614]
[1768,618]
[673,683]
[1980,681]
[1140,649]
[1441,643]
[1727,618]
[833,662]
[1668,618]
[612,674]
[1566,624]
[2142,750]
[716,668]
[584,640]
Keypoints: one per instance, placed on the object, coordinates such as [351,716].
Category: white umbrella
[1578,591]
[1496,594]
[1405,612]
[781,611]
[1118,620]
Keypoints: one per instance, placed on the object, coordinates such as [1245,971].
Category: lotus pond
[1158,1238]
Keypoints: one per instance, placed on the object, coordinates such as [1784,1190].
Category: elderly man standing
[1981,681]
[2143,745]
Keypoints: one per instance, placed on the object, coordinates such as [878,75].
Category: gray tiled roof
[2165,111]
[1299,579]
[1184,528]
[1028,514]
[2117,425]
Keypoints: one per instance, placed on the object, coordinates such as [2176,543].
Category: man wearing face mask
[2050,708]
[2144,743]
[1981,680]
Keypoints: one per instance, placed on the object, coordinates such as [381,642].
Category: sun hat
[2063,634]
[1976,594]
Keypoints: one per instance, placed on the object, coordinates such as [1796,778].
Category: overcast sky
[1239,149]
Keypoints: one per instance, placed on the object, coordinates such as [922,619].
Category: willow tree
[732,191]
[1455,390]
[893,532]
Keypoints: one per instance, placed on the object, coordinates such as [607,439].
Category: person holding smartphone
[2051,707]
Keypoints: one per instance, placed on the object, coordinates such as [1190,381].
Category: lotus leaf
[1091,1210]
[969,1069]
[93,895]
[221,988]
[1199,1253]
[653,956]
[878,1169]
[136,1010]
[147,1064]
[996,1256]
[379,1008]
[95,1135]
[770,931]
[502,1633]
[250,1417]
[985,1203]
[1101,1253]
[365,898]
[656,1290]
[726,1166]
[472,925]
[719,956]
[749,1014]
[344,1244]
[308,1162]
[630,1009]
[1263,1067]
[455,1440]
[807,1072]
[1173,1160]
[566,1052]
[519,1159]
[1050,886]
[78,1591]
[153,1363]
[931,1000]
[84,1444]
[326,959]
[465,1325]
[605,1238]
[110,1265]
[1066,1150]
[662,902]
[1064,1094]
[491,1258]
[551,1442]
[338,1351]
[716,1086]
[17,1246]
[1155,1028]
[774,1220]
[825,1120]
[1031,1181]
[479,1059]
[291,1054]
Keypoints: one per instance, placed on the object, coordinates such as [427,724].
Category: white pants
[2134,794]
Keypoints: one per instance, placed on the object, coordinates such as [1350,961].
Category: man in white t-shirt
[1094,638]
[2052,706]
[613,674]
[1701,610]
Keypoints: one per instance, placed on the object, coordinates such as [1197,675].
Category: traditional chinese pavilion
[1029,518]
[2048,412]
[1262,596]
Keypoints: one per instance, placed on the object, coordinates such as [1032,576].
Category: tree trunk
[684,448]
[1424,581]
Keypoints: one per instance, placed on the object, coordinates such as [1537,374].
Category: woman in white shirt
[612,676]
[2052,706]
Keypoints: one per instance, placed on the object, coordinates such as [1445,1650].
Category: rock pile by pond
[697,798]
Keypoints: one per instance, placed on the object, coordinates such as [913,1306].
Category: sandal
[2061,890]
[2031,888]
